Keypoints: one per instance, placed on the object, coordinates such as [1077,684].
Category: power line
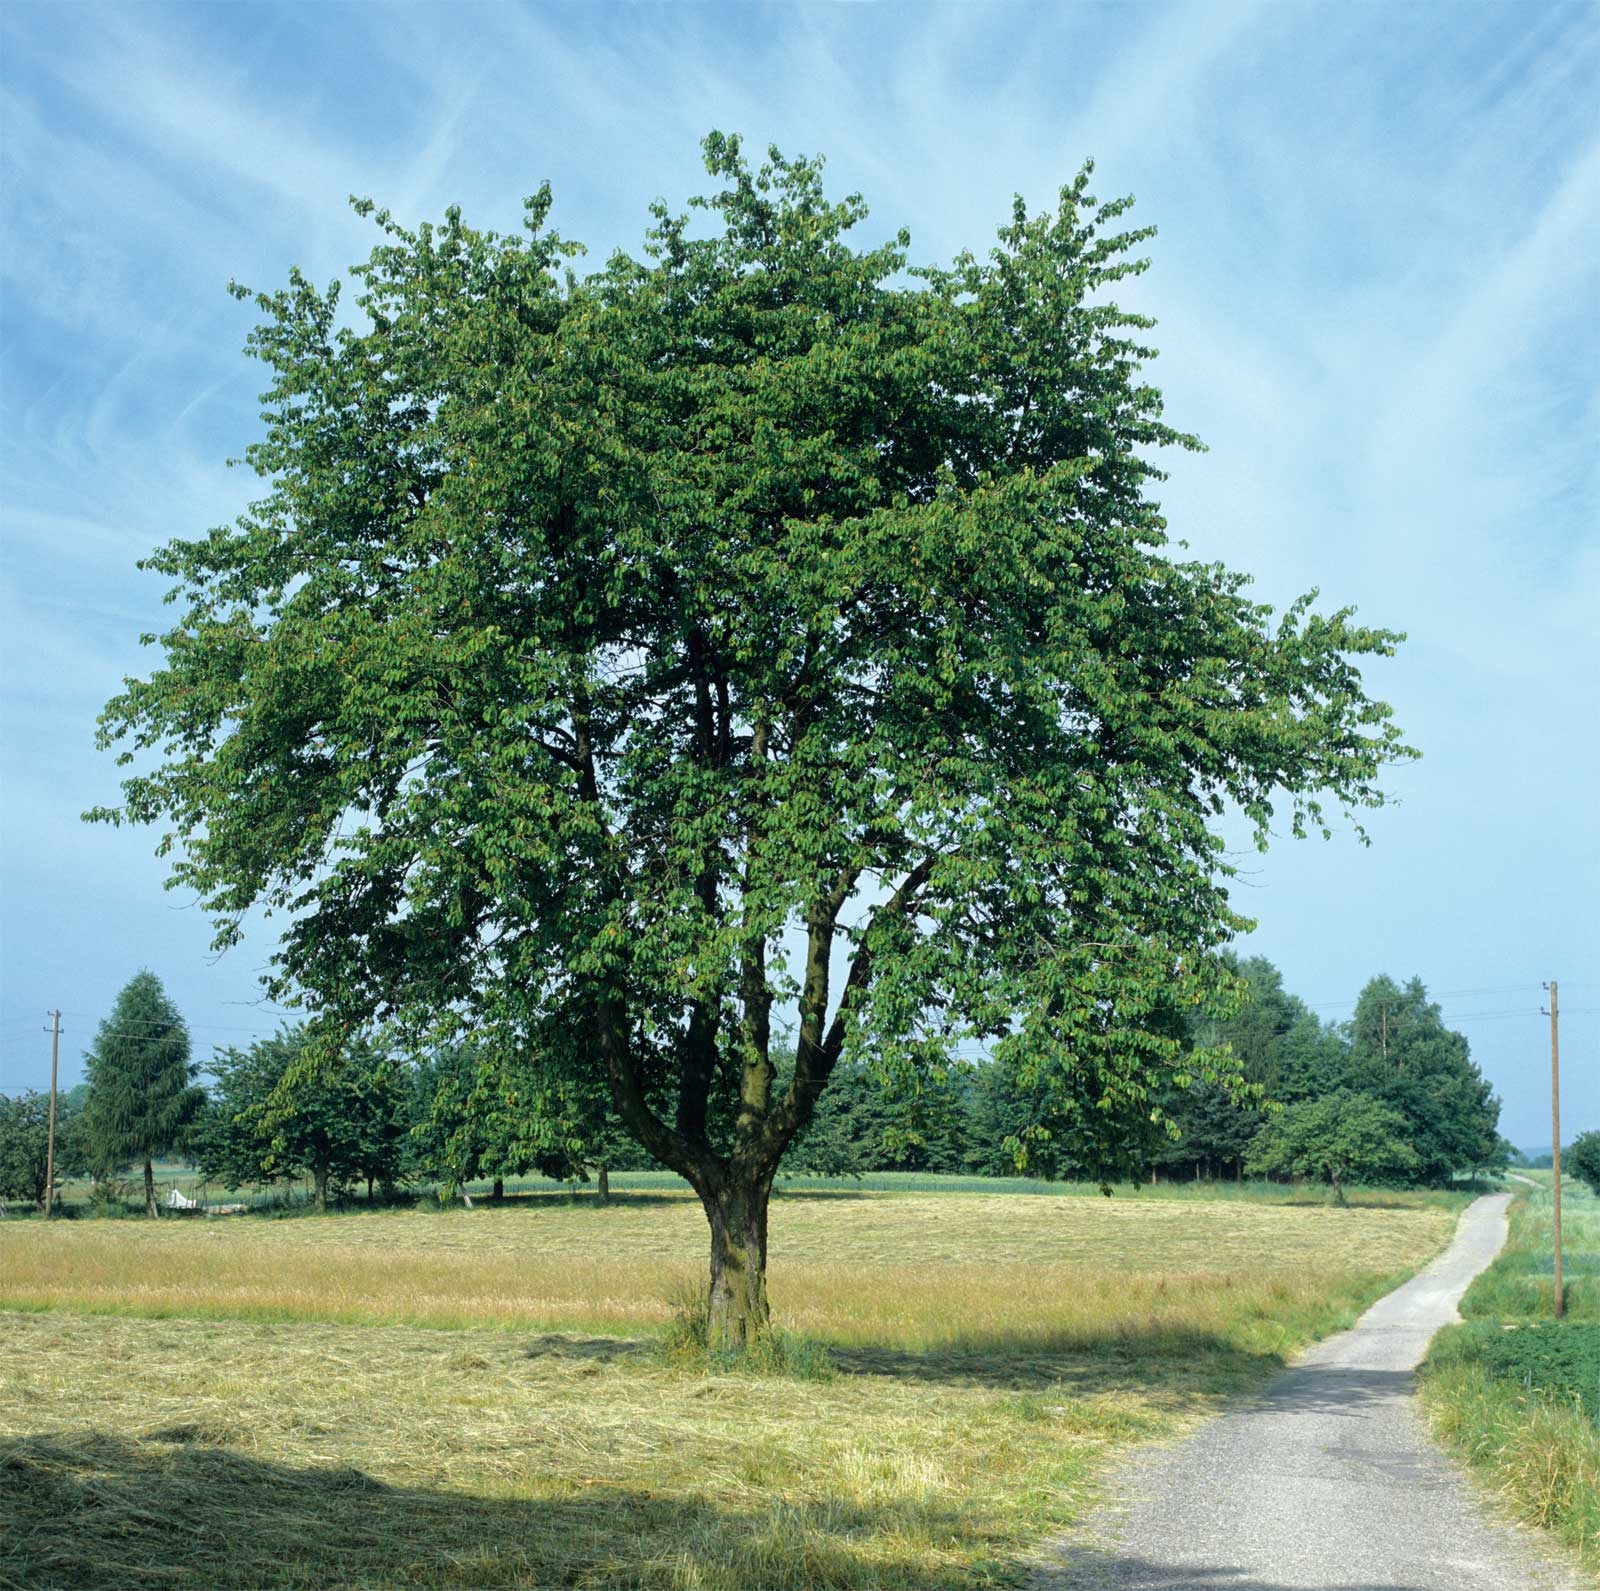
[1433,994]
[152,1022]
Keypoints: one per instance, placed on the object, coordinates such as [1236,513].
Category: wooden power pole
[50,1142]
[1555,1133]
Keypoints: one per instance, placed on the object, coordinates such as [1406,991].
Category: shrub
[1559,1360]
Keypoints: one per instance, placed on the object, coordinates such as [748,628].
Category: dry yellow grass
[990,1355]
[915,1271]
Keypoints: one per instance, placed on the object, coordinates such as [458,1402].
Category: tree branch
[817,1055]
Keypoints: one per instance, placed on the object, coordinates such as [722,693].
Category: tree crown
[610,649]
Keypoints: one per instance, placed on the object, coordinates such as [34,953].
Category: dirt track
[1328,1482]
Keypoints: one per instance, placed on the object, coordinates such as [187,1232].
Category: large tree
[755,626]
[142,1096]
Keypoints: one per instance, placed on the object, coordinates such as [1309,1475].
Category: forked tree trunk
[151,1208]
[739,1312]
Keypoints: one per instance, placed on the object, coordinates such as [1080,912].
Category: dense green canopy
[1582,1159]
[758,631]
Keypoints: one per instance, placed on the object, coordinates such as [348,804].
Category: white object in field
[176,1201]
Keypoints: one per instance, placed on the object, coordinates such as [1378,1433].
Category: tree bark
[498,1192]
[739,1310]
[150,1207]
[603,1185]
[320,1173]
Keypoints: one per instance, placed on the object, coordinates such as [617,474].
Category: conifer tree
[141,1083]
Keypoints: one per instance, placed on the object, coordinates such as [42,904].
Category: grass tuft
[685,1345]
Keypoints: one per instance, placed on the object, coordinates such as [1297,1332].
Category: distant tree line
[1391,1095]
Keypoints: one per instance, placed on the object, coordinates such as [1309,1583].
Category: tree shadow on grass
[1192,1361]
[1089,1570]
[597,1350]
[95,1512]
[581,1197]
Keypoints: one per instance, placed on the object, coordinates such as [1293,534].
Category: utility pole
[1555,1133]
[54,1030]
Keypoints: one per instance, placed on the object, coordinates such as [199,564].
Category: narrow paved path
[1328,1482]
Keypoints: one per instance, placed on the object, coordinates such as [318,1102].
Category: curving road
[1328,1482]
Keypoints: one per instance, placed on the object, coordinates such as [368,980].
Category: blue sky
[1377,285]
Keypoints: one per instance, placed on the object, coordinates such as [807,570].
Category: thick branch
[755,1078]
[755,995]
[627,1093]
[696,1070]
[816,1055]
[611,1021]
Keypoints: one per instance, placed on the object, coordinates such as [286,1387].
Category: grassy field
[1516,1393]
[486,1397]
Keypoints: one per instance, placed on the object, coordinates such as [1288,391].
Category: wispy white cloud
[1375,277]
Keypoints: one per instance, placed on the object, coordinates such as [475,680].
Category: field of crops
[491,1397]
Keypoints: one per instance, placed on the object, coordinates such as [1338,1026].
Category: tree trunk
[1338,1191]
[739,1312]
[150,1206]
[369,1190]
[320,1172]
[603,1185]
[499,1190]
